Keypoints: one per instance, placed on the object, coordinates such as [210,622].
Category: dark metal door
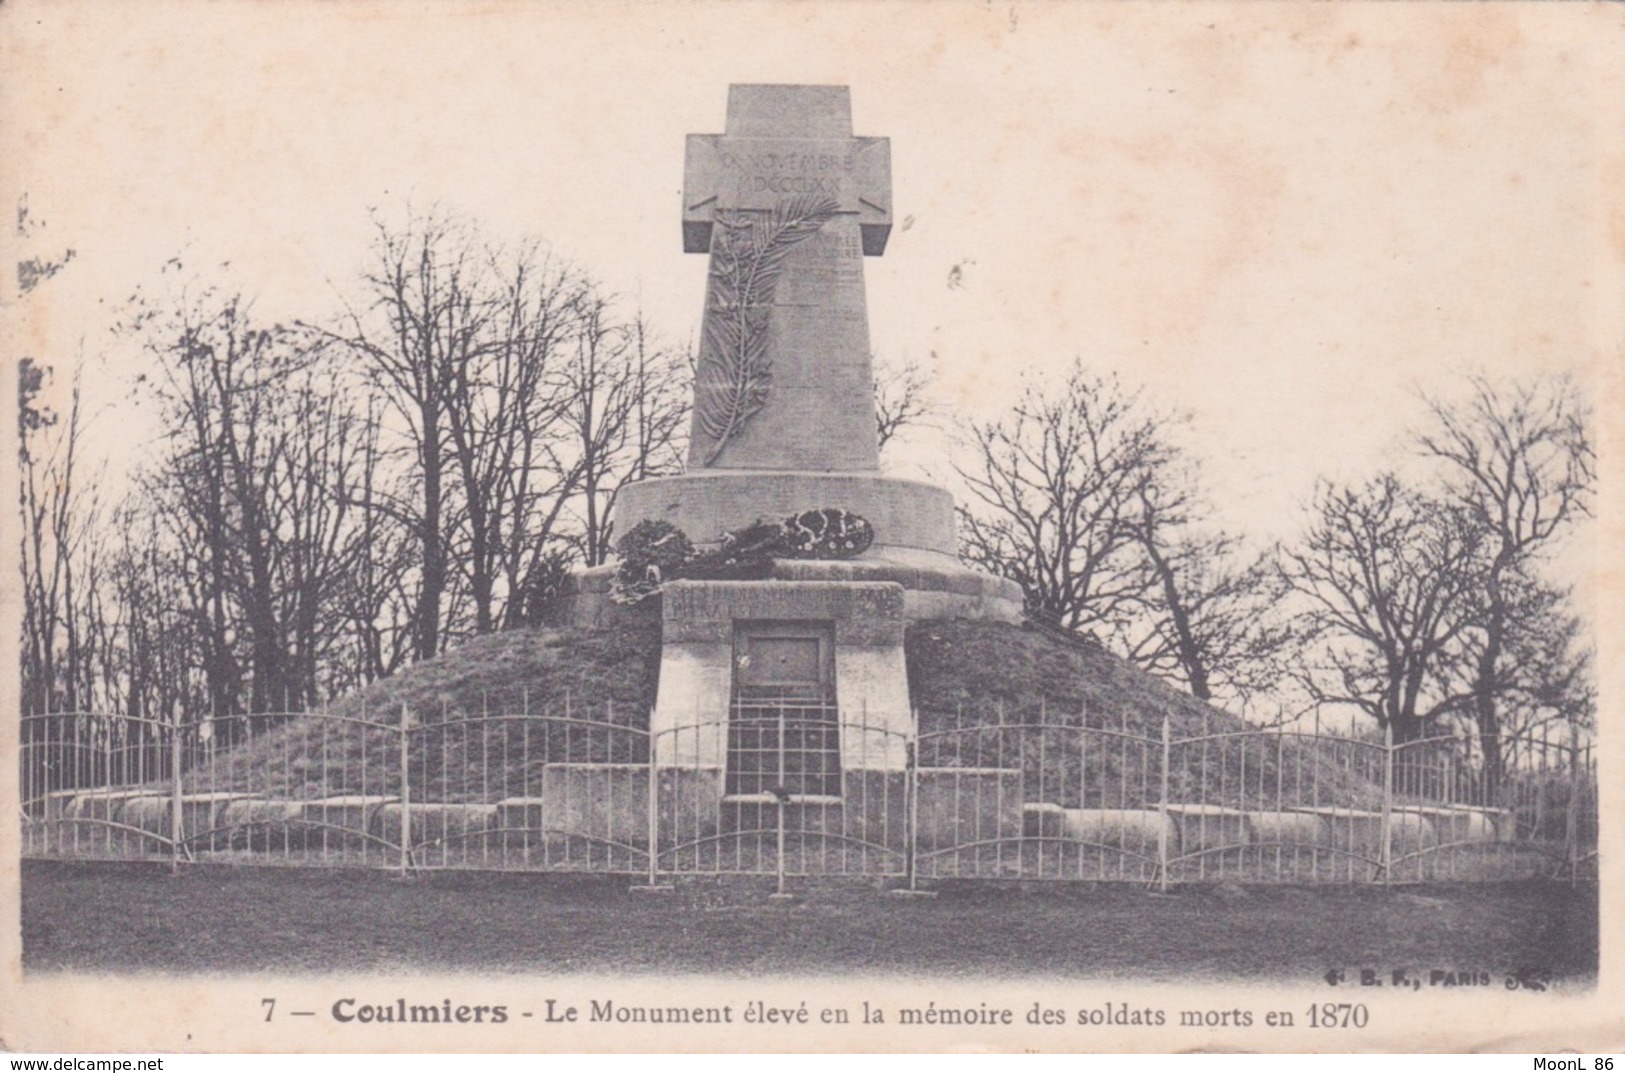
[783,734]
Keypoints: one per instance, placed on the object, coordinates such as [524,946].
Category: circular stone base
[930,590]
[914,538]
[909,517]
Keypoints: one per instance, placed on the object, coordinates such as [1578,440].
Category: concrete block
[56,804]
[449,829]
[1359,831]
[877,720]
[200,813]
[875,632]
[783,601]
[690,803]
[1352,831]
[1208,828]
[1410,833]
[101,805]
[1286,829]
[934,586]
[1451,825]
[600,803]
[77,821]
[962,806]
[1098,844]
[1501,822]
[604,802]
[260,812]
[345,820]
[876,808]
[150,814]
[1043,819]
[696,630]
[259,824]
[689,727]
[922,604]
[1135,832]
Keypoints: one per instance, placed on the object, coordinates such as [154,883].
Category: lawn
[132,917]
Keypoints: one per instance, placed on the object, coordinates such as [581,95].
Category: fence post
[1571,821]
[911,805]
[406,795]
[175,795]
[1385,859]
[654,809]
[107,781]
[1162,808]
[782,796]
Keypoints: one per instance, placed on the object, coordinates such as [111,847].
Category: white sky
[1287,220]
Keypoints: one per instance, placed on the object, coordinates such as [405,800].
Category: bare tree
[1544,675]
[60,515]
[306,528]
[501,403]
[1081,495]
[211,366]
[522,403]
[59,555]
[1390,579]
[427,317]
[1052,489]
[1211,621]
[153,631]
[623,411]
[309,480]
[262,451]
[900,398]
[32,271]
[1519,460]
[377,599]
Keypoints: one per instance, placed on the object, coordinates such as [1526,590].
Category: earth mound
[1083,722]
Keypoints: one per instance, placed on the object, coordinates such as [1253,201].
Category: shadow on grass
[108,917]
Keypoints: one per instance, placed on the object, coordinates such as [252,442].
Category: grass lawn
[131,917]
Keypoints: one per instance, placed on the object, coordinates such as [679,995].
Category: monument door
[784,733]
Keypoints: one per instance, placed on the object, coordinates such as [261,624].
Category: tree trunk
[1190,652]
[434,550]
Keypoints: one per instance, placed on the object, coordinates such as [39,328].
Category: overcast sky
[1286,220]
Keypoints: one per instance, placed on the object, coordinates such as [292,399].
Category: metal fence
[792,787]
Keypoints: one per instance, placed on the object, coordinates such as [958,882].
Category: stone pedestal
[909,517]
[690,723]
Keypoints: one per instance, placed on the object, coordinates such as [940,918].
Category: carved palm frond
[734,380]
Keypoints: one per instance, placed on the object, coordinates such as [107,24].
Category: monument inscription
[786,203]
[755,171]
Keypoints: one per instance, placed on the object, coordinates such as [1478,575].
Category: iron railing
[787,787]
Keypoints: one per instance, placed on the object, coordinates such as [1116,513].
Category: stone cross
[787,202]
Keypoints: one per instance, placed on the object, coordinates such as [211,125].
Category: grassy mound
[981,689]
[489,715]
[960,670]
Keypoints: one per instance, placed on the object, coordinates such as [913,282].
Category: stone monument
[787,203]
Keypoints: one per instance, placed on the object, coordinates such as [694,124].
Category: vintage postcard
[788,526]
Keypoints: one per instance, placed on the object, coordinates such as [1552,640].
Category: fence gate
[786,786]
